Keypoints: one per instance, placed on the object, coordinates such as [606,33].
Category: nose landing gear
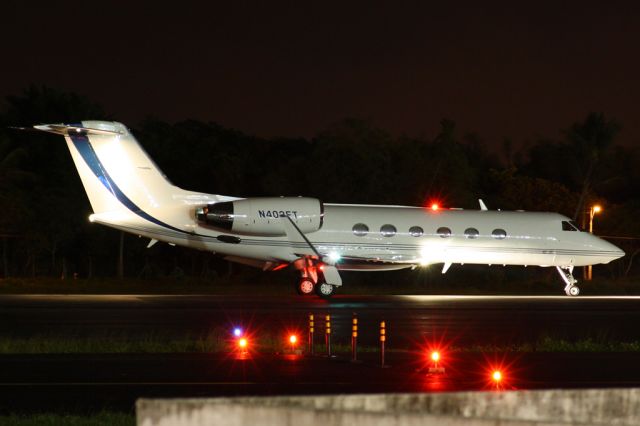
[566,273]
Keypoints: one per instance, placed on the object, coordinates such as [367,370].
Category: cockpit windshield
[569,225]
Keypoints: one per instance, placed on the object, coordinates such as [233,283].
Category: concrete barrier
[518,408]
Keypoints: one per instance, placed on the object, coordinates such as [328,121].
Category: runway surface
[463,320]
[89,382]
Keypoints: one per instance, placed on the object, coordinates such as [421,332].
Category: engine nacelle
[263,216]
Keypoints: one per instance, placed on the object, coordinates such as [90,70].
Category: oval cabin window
[444,232]
[360,229]
[416,231]
[471,233]
[388,230]
[499,234]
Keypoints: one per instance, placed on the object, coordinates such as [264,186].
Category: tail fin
[116,172]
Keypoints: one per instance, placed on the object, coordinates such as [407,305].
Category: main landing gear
[325,290]
[306,286]
[317,275]
[566,272]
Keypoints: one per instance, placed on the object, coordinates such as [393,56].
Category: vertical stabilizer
[116,172]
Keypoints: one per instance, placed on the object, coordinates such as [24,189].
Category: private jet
[127,191]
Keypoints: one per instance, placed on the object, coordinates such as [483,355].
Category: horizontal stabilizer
[66,129]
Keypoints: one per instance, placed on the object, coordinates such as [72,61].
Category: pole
[311,323]
[327,335]
[354,338]
[383,337]
[589,267]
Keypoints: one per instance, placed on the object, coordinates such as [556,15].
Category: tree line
[44,210]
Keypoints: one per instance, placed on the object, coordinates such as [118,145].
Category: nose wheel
[573,291]
[566,273]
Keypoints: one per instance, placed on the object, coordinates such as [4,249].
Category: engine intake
[263,216]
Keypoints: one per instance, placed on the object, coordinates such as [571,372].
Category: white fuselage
[127,191]
[531,238]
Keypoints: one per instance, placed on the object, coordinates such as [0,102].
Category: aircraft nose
[609,251]
[619,254]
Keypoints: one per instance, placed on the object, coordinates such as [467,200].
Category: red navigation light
[293,339]
[496,376]
[435,356]
[243,343]
[435,206]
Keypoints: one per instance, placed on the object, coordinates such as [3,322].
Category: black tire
[325,290]
[304,283]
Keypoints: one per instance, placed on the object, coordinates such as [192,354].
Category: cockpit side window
[569,225]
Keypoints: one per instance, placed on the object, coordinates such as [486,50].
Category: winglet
[483,206]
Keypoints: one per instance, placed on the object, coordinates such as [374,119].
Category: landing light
[334,257]
[237,332]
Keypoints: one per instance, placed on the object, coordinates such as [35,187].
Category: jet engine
[263,216]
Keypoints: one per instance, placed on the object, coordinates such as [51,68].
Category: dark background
[498,68]
[526,106]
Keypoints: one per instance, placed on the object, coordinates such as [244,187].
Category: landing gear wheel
[570,288]
[305,286]
[573,291]
[325,290]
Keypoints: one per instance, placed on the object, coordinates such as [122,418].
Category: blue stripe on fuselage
[82,144]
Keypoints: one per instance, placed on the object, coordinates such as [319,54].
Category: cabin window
[360,229]
[444,232]
[569,226]
[388,230]
[471,233]
[499,234]
[416,231]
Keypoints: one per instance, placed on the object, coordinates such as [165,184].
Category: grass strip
[218,341]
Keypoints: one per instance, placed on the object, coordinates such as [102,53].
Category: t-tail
[116,172]
[125,187]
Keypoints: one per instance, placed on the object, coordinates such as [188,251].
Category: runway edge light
[496,376]
[434,366]
[243,343]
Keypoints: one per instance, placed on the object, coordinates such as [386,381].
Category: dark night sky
[290,69]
